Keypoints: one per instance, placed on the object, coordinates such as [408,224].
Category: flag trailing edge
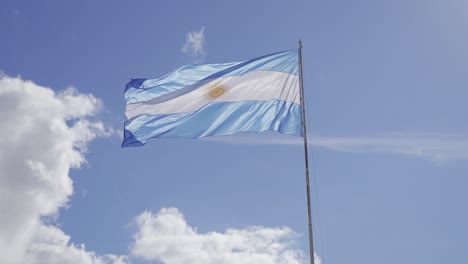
[216,99]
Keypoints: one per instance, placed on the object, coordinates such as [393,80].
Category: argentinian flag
[216,99]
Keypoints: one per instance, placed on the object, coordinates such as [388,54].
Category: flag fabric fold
[216,99]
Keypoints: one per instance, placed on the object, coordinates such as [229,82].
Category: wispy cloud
[434,147]
[437,148]
[195,44]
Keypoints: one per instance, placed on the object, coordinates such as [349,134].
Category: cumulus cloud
[167,237]
[195,44]
[44,134]
[52,246]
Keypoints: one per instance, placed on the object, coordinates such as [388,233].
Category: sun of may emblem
[215,90]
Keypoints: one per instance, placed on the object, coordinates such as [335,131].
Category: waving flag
[216,99]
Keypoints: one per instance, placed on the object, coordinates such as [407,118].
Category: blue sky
[386,110]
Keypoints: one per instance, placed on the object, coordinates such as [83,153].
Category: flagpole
[306,156]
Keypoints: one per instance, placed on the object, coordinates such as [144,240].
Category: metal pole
[306,156]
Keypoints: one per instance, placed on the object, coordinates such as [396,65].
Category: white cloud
[195,44]
[52,246]
[437,148]
[434,147]
[167,237]
[44,134]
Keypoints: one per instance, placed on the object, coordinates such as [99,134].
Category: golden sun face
[215,90]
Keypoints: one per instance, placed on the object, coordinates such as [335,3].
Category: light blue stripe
[191,77]
[286,61]
[216,119]
[180,78]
